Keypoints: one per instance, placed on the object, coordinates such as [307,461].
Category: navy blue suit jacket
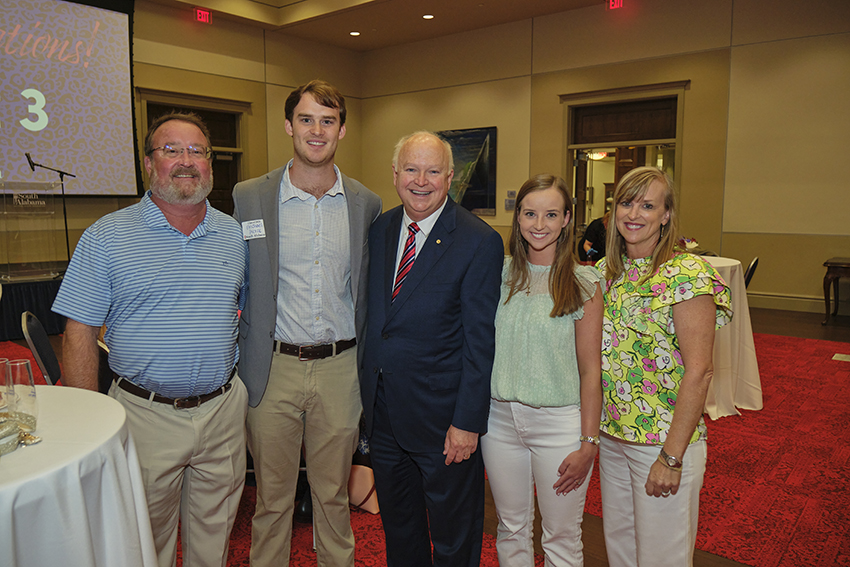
[434,345]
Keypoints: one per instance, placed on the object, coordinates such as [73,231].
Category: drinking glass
[20,394]
[3,362]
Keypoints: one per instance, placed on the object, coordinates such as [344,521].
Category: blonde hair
[563,285]
[633,185]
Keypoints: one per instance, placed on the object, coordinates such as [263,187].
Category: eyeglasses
[194,152]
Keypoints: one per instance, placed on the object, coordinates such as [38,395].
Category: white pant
[525,446]
[641,530]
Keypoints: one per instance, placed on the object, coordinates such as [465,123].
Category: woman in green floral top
[662,306]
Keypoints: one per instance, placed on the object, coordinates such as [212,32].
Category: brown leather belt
[179,403]
[313,352]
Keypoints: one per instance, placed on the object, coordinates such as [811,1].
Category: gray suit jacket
[258,199]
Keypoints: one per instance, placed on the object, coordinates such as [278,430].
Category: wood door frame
[571,101]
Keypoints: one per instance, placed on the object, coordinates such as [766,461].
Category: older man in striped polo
[167,276]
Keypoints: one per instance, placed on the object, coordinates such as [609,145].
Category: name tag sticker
[253,229]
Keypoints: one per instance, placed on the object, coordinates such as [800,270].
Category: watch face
[671,461]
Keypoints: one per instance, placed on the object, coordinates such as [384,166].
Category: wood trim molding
[674,85]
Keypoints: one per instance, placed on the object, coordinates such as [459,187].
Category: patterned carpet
[775,491]
[368,534]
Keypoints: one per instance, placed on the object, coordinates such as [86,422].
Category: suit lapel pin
[439,241]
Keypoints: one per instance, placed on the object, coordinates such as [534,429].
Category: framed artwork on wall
[474,183]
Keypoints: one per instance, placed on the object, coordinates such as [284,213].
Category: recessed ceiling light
[354,33]
[428,17]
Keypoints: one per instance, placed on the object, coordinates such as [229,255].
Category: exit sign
[613,4]
[203,16]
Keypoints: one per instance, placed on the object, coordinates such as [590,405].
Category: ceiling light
[354,33]
[428,17]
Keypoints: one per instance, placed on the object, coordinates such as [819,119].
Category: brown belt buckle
[187,403]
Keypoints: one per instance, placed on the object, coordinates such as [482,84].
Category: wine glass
[20,394]
[3,362]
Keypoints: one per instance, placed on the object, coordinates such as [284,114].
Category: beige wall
[642,29]
[702,148]
[786,127]
[503,104]
[764,116]
[766,80]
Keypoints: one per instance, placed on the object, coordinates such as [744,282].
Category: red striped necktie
[406,258]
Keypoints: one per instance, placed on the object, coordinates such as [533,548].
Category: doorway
[608,139]
[602,168]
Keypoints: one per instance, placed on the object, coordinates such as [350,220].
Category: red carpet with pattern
[368,534]
[775,491]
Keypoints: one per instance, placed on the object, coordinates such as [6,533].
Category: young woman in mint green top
[546,386]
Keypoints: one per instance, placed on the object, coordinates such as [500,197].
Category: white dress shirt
[426,225]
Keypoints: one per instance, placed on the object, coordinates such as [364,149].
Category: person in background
[306,225]
[166,276]
[662,306]
[591,247]
[546,388]
[425,381]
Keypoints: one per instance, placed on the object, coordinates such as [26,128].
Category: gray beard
[171,193]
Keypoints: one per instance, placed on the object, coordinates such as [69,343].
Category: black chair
[41,348]
[105,376]
[751,269]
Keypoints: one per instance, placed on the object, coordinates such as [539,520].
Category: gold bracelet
[589,439]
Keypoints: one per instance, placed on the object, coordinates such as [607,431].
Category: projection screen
[66,95]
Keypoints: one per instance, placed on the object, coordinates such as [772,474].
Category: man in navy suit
[425,380]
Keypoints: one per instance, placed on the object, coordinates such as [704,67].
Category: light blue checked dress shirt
[314,301]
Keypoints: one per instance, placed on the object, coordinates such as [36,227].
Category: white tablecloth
[736,382]
[76,498]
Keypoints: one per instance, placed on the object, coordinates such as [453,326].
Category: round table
[76,498]
[736,383]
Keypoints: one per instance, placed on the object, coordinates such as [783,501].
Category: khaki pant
[317,401]
[193,467]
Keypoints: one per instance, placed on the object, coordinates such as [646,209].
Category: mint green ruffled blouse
[535,361]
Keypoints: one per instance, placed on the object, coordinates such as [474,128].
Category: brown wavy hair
[563,285]
[635,184]
[325,94]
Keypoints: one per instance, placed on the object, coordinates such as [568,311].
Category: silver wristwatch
[670,461]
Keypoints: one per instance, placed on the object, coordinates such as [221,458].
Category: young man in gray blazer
[306,225]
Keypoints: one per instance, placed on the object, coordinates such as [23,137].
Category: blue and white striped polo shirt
[169,300]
